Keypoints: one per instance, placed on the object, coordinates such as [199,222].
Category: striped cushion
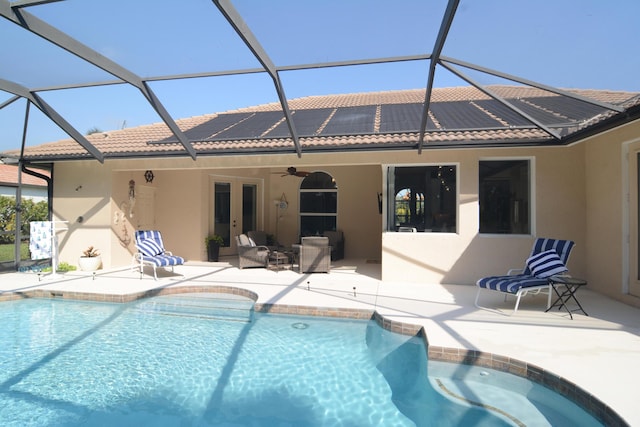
[163,260]
[149,247]
[511,284]
[546,264]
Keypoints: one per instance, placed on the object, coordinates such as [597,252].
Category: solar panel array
[394,118]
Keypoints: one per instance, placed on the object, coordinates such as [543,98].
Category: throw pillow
[546,264]
[149,247]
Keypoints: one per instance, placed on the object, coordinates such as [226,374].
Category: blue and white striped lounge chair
[151,252]
[548,258]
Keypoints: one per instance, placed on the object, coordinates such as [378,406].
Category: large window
[318,204]
[504,195]
[423,198]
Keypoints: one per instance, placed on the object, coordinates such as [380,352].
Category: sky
[562,43]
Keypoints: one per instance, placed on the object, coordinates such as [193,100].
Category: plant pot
[89,263]
[213,251]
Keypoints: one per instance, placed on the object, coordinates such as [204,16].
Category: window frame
[388,213]
[532,193]
[302,213]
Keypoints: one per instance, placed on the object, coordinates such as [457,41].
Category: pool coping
[546,378]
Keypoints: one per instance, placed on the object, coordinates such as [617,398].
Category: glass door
[236,209]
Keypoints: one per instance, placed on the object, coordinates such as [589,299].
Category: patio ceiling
[63,47]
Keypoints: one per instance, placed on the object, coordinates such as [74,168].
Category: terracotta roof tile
[9,175]
[157,140]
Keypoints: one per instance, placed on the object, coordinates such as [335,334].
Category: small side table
[278,259]
[565,288]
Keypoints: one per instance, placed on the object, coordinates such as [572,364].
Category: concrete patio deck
[598,352]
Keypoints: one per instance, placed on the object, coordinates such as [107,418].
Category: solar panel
[462,115]
[538,113]
[574,109]
[205,130]
[307,123]
[505,113]
[351,120]
[253,126]
[402,118]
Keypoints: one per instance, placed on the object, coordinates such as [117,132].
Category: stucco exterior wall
[81,196]
[578,194]
[607,185]
[182,200]
[558,204]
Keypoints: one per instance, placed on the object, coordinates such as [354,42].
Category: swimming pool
[97,364]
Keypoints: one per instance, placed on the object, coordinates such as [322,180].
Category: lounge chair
[250,254]
[548,258]
[315,255]
[151,252]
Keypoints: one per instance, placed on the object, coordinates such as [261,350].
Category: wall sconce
[148,175]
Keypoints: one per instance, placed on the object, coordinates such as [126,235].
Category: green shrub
[63,267]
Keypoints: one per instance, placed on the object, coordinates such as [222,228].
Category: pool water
[70,363]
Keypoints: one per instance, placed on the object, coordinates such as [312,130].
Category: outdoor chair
[315,255]
[250,254]
[260,239]
[336,241]
[548,258]
[151,252]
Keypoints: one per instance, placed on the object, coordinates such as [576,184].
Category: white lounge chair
[548,257]
[151,252]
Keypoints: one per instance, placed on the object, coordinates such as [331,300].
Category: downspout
[49,181]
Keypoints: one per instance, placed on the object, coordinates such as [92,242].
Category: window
[422,197]
[318,204]
[504,197]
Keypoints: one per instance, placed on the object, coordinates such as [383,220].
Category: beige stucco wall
[577,194]
[463,257]
[607,184]
[182,200]
[81,197]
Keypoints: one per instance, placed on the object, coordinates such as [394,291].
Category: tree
[30,211]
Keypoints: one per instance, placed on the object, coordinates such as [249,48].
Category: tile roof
[458,117]
[9,176]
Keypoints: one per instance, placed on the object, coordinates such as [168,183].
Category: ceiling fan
[294,172]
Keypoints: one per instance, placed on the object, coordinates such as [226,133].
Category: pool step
[205,305]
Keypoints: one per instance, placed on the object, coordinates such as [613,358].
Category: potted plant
[90,259]
[213,243]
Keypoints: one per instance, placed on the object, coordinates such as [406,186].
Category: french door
[236,208]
